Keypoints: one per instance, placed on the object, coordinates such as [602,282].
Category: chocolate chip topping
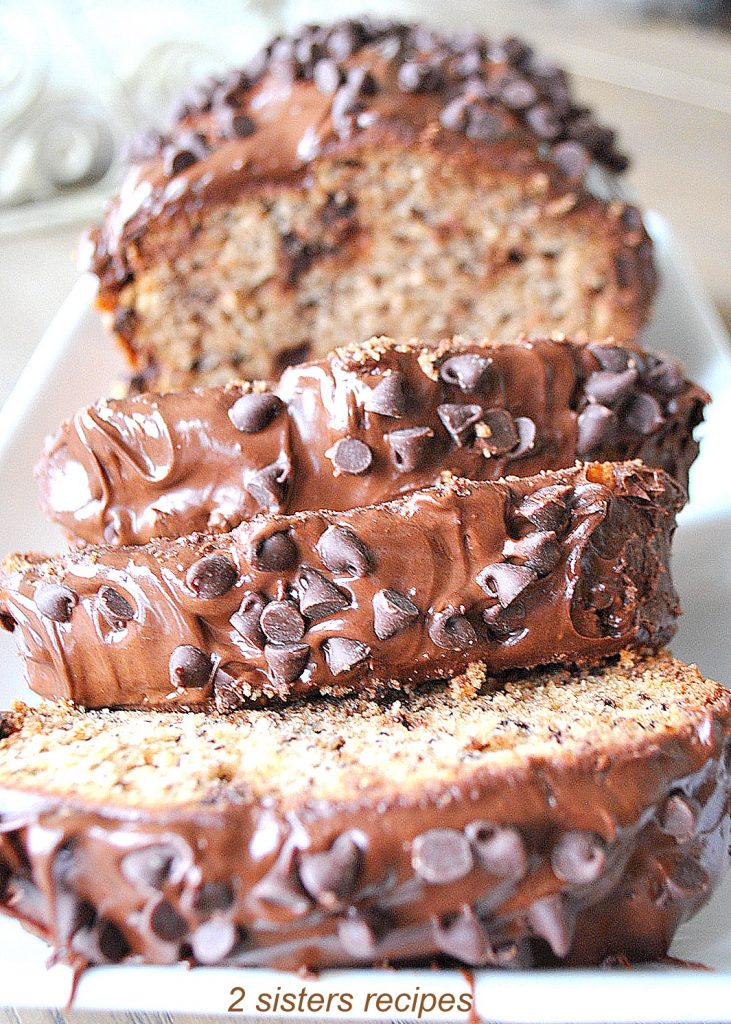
[441,855]
[255,411]
[281,622]
[343,654]
[274,553]
[549,919]
[331,876]
[189,667]
[214,896]
[151,866]
[540,551]
[167,923]
[349,455]
[644,414]
[319,598]
[502,433]
[246,621]
[463,936]
[498,849]
[597,424]
[360,931]
[546,508]
[505,581]
[388,397]
[269,486]
[286,662]
[342,552]
[579,857]
[468,371]
[392,613]
[609,387]
[55,601]
[678,817]
[213,940]
[459,421]
[452,630]
[686,880]
[610,357]
[527,433]
[114,607]
[665,376]
[409,447]
[211,576]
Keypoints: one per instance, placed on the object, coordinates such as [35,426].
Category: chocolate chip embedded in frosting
[467,370]
[463,936]
[388,397]
[579,857]
[269,485]
[686,879]
[343,654]
[678,817]
[327,76]
[246,620]
[549,918]
[342,551]
[498,849]
[459,421]
[114,607]
[55,601]
[254,412]
[409,447]
[281,622]
[214,896]
[286,662]
[502,433]
[452,630]
[318,597]
[211,576]
[189,667]
[392,613]
[596,425]
[441,855]
[644,414]
[610,357]
[212,941]
[539,551]
[527,432]
[274,553]
[505,581]
[360,931]
[189,148]
[608,387]
[349,455]
[331,876]
[167,923]
[234,124]
[546,508]
[152,866]
[666,376]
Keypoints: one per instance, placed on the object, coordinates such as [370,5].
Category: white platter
[75,363]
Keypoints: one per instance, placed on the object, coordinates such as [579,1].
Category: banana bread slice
[565,818]
[571,565]
[368,178]
[362,426]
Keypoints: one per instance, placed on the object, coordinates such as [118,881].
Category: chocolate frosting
[571,565]
[583,866]
[127,471]
[329,90]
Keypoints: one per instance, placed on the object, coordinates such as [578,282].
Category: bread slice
[368,178]
[126,471]
[564,818]
[571,565]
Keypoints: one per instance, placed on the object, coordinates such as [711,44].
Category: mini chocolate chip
[666,376]
[548,917]
[280,887]
[539,551]
[167,923]
[349,455]
[343,654]
[55,601]
[331,876]
[499,849]
[505,581]
[453,115]
[572,158]
[460,420]
[464,937]
[212,941]
[607,387]
[679,817]
[484,124]
[419,76]
[211,576]
[360,931]
[188,149]
[503,434]
[213,896]
[518,94]
[467,370]
[189,667]
[452,630]
[687,879]
[255,411]
[579,857]
[526,436]
[113,946]
[441,855]
[342,552]
[327,76]
[388,397]
[503,623]
[547,508]
[246,620]
[114,607]
[544,121]
[318,597]
[610,357]
[286,662]
[596,427]
[409,447]
[644,414]
[270,485]
[392,613]
[281,623]
[274,553]
[234,124]
[152,866]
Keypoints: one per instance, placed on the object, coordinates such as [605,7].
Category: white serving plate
[73,364]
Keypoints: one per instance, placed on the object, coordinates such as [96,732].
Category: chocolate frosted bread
[368,178]
[569,817]
[362,426]
[571,565]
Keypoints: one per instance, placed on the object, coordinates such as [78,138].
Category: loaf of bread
[571,565]
[364,425]
[368,178]
[562,819]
